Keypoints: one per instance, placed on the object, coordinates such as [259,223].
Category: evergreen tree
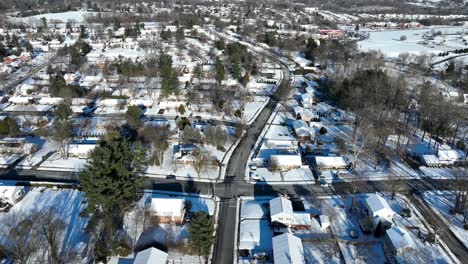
[133,116]
[220,71]
[9,127]
[63,127]
[112,178]
[201,233]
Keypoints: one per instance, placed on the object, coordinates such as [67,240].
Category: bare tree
[201,162]
[51,227]
[21,241]
[157,137]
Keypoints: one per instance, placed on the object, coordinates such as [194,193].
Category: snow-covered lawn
[66,203]
[441,202]
[389,43]
[77,16]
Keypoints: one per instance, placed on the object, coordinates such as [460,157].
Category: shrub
[238,113]
[323,130]
[465,226]
[406,212]
[181,109]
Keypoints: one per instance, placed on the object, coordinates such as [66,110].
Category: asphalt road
[445,234]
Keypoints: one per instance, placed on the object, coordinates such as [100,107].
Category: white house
[11,194]
[287,249]
[80,150]
[328,163]
[307,100]
[151,256]
[449,157]
[398,245]
[301,129]
[379,210]
[281,211]
[168,210]
[285,162]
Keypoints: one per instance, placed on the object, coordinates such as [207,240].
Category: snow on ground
[441,202]
[65,202]
[389,43]
[56,163]
[34,159]
[6,161]
[319,252]
[77,16]
[185,171]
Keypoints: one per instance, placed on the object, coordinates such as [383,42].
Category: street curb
[236,232]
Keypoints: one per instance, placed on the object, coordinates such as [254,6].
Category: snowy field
[441,202]
[76,16]
[388,42]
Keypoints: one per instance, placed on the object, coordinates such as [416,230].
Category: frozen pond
[388,42]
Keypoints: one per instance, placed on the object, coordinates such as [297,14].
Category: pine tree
[201,233]
[112,178]
[63,127]
[133,116]
[220,71]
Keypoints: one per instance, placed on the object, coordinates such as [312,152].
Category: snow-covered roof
[430,160]
[302,218]
[328,162]
[50,100]
[151,256]
[170,206]
[280,205]
[255,234]
[449,155]
[377,204]
[400,238]
[286,160]
[288,248]
[80,149]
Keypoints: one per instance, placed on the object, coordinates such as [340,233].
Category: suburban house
[399,247]
[378,209]
[168,210]
[80,150]
[330,163]
[449,157]
[281,211]
[287,249]
[11,194]
[151,256]
[307,100]
[285,162]
[302,130]
[16,146]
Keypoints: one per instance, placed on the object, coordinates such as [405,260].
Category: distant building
[287,249]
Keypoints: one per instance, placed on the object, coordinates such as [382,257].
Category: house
[330,163]
[80,150]
[430,160]
[285,162]
[151,256]
[168,210]
[287,249]
[449,157]
[398,245]
[281,211]
[307,100]
[309,116]
[301,129]
[11,194]
[379,210]
[17,146]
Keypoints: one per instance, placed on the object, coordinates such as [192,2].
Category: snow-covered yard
[65,203]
